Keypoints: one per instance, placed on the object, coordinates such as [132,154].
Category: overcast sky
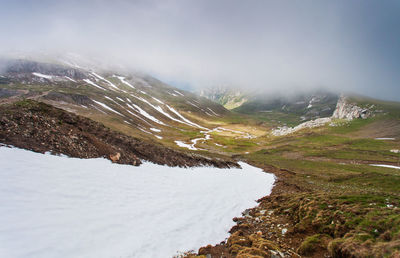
[269,45]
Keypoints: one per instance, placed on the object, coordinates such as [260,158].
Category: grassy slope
[330,165]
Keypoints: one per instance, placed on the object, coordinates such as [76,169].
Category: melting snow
[147,115]
[104,79]
[93,84]
[185,145]
[178,93]
[65,207]
[158,137]
[72,80]
[141,129]
[133,114]
[159,101]
[120,99]
[155,130]
[193,104]
[159,109]
[184,119]
[49,77]
[107,107]
[212,111]
[122,79]
[384,166]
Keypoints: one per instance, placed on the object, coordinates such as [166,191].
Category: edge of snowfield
[52,206]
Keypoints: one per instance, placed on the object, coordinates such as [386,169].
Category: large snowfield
[53,206]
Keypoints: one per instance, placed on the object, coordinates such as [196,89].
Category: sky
[271,46]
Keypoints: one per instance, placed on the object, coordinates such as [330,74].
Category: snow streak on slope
[72,80]
[43,76]
[106,107]
[93,84]
[182,119]
[122,79]
[147,115]
[385,166]
[159,101]
[104,79]
[64,207]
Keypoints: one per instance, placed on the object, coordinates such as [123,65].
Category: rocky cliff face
[349,111]
[344,110]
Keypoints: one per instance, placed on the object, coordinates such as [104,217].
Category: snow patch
[159,101]
[120,99]
[45,76]
[104,79]
[93,84]
[107,107]
[212,111]
[185,119]
[185,145]
[384,166]
[122,79]
[178,93]
[66,207]
[72,80]
[147,115]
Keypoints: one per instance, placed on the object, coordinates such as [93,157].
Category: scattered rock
[114,158]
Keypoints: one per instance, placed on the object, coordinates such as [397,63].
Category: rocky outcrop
[349,111]
[344,110]
[309,124]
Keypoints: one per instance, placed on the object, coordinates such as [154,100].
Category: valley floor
[330,198]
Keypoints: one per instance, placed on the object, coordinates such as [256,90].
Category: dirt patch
[380,129]
[43,128]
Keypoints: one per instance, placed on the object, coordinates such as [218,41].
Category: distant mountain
[275,109]
[229,98]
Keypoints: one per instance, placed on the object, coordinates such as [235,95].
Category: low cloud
[259,45]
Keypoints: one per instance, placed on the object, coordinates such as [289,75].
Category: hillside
[337,193]
[135,104]
[43,128]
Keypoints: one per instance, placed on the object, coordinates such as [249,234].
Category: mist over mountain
[272,46]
